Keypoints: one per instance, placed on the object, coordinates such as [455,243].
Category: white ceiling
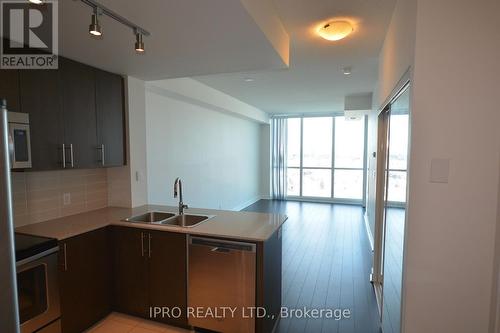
[189,37]
[315,82]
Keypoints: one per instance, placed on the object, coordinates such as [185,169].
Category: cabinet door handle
[142,244]
[64,156]
[101,148]
[149,245]
[65,258]
[71,155]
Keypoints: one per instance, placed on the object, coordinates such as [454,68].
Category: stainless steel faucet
[178,189]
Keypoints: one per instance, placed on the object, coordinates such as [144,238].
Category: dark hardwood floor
[326,265]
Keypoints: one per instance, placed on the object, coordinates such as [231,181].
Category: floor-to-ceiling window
[325,158]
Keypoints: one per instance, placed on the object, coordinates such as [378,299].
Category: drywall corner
[136,125]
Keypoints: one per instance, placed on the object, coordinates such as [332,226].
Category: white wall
[265,161]
[127,185]
[216,154]
[451,227]
[397,53]
[396,58]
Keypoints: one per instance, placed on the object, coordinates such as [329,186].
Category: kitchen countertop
[249,226]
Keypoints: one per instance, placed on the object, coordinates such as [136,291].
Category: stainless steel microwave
[19,139]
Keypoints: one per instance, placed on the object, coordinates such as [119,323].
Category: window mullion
[301,154]
[333,158]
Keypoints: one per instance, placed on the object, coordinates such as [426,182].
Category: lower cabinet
[122,269]
[130,286]
[150,270]
[85,280]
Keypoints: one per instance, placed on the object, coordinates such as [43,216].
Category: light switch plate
[440,170]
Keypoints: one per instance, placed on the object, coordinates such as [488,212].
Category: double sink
[169,219]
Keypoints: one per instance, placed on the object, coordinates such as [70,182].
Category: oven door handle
[38,256]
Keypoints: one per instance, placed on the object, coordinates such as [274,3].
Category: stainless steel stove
[37,288]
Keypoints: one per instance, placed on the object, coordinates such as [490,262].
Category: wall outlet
[66,199]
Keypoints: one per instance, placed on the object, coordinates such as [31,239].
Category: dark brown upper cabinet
[39,90]
[110,120]
[9,88]
[79,107]
[77,115]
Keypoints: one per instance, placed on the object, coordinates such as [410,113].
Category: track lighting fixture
[95,27]
[139,44]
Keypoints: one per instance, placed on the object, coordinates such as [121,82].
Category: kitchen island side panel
[269,273]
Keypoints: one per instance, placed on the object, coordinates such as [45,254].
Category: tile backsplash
[41,196]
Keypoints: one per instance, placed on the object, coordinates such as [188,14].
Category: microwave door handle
[10,147]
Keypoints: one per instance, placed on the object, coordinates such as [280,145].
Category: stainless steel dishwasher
[221,280]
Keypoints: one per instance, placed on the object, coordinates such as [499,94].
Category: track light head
[95,27]
[139,44]
[36,2]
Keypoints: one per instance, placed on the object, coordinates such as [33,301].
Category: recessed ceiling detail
[315,81]
[233,38]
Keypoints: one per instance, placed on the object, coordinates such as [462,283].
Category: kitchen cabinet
[9,88]
[76,105]
[151,271]
[79,104]
[168,273]
[110,120]
[85,280]
[130,287]
[39,96]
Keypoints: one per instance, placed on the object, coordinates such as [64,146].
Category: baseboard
[247,203]
[368,231]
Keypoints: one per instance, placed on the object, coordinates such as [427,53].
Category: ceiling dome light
[139,44]
[335,30]
[36,2]
[95,27]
